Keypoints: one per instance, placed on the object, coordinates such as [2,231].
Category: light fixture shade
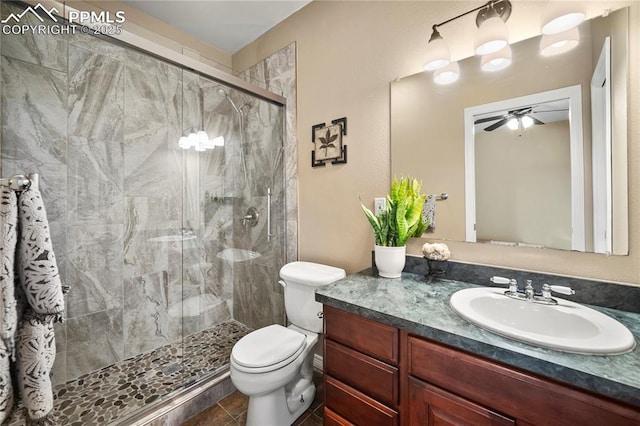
[496,61]
[513,124]
[526,121]
[560,16]
[448,74]
[183,142]
[555,44]
[192,140]
[208,144]
[437,55]
[218,141]
[492,35]
[202,136]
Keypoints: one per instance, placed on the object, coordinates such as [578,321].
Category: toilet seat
[267,349]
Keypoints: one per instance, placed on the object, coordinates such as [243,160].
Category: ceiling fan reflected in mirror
[517,119]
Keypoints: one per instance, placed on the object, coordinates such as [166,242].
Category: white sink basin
[567,326]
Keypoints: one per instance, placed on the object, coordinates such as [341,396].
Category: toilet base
[279,409]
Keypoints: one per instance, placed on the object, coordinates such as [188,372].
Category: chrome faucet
[529,293]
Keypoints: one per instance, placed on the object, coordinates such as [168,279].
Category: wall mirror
[561,184]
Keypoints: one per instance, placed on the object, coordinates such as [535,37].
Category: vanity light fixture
[555,44]
[492,37]
[448,74]
[199,140]
[559,16]
[496,61]
[438,54]
[492,34]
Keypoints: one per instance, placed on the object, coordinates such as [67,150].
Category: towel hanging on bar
[37,267]
[8,311]
[429,212]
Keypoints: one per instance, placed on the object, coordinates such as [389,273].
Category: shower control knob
[251,217]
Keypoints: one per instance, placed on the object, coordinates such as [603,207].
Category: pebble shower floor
[119,390]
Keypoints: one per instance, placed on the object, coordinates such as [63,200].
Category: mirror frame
[574,94]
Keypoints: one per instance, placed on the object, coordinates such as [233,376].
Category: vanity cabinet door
[432,406]
[528,398]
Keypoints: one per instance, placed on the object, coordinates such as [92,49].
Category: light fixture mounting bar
[501,7]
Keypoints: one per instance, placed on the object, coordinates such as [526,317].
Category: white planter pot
[390,260]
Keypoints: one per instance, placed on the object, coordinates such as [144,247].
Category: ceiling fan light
[560,16]
[496,61]
[526,121]
[492,35]
[555,44]
[437,54]
[448,74]
[513,124]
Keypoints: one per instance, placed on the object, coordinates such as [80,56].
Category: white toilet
[273,366]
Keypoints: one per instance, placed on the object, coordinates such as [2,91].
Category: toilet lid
[267,346]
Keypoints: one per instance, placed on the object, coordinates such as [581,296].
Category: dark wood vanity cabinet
[361,374]
[379,375]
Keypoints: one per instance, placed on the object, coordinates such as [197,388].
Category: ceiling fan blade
[484,120]
[496,125]
[535,120]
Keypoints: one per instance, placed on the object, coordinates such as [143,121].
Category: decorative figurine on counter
[437,255]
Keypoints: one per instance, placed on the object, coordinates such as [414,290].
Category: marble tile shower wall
[276,73]
[100,123]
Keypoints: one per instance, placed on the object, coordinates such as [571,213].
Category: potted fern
[393,226]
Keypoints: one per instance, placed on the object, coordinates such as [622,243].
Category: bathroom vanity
[396,354]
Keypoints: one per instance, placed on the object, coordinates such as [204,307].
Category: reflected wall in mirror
[428,142]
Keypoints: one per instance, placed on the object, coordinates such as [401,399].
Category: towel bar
[442,196]
[21,182]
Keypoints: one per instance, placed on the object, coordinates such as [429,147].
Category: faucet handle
[513,284]
[558,289]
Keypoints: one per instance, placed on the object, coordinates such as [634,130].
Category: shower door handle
[269,234]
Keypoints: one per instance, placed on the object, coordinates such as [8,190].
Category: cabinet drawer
[375,339]
[334,419]
[430,405]
[375,378]
[524,396]
[355,406]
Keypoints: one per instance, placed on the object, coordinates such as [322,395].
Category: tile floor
[232,410]
[119,390]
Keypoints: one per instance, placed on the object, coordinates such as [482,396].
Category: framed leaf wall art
[328,144]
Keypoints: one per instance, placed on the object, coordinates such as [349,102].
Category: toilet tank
[300,281]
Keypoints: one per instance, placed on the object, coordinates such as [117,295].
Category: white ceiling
[227,24]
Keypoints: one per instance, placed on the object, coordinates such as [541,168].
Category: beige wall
[523,185]
[348,52]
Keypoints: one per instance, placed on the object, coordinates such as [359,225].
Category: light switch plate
[379,204]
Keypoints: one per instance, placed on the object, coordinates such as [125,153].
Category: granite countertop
[421,307]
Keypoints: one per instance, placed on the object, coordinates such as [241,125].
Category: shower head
[222,92]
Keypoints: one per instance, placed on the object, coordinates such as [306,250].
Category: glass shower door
[233,245]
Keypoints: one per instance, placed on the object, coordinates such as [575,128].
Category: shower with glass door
[148,171]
